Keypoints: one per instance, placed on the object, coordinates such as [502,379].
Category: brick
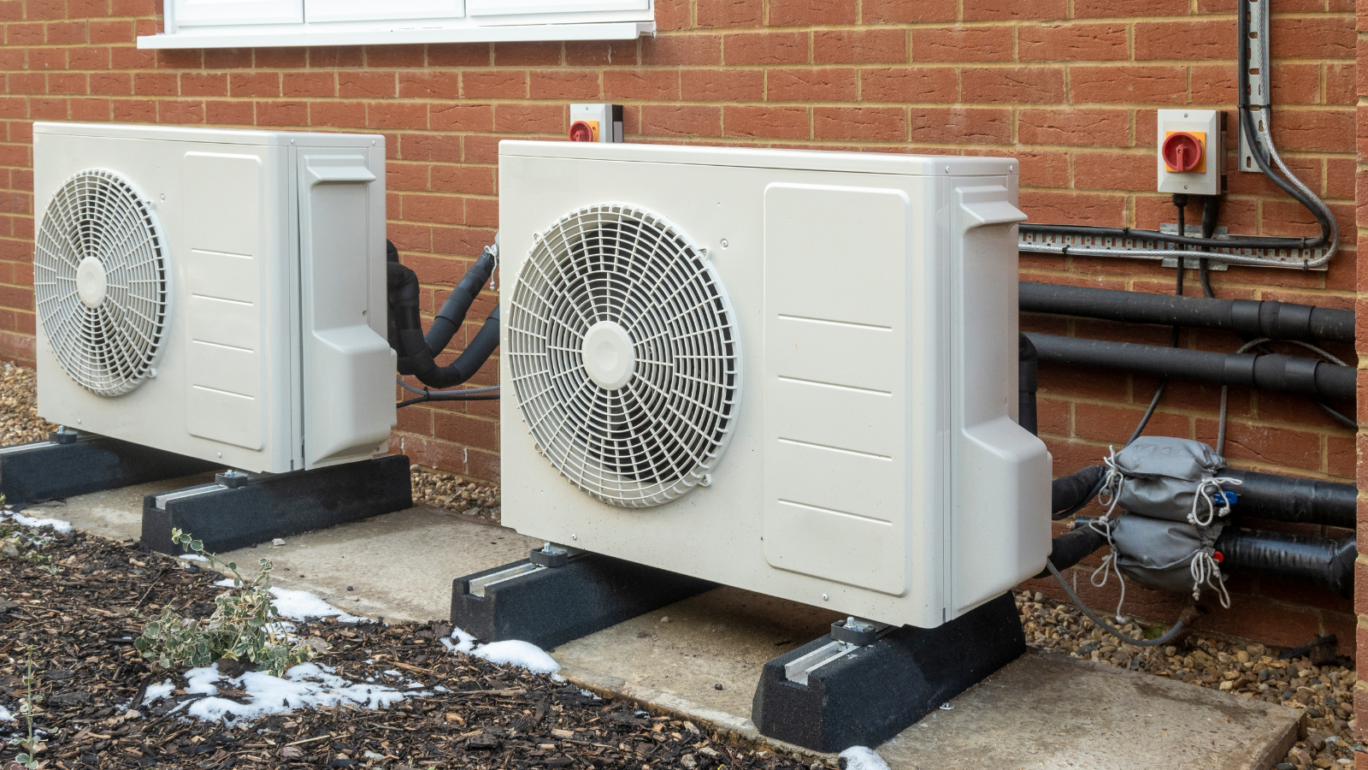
[530,119]
[1184,40]
[818,84]
[337,114]
[397,115]
[730,13]
[97,58]
[297,84]
[955,125]
[765,122]
[460,54]
[90,110]
[962,44]
[1131,85]
[766,48]
[881,124]
[468,180]
[996,85]
[1015,10]
[1326,130]
[806,13]
[1091,9]
[907,11]
[681,121]
[527,54]
[1079,127]
[462,117]
[443,209]
[641,85]
[242,84]
[873,46]
[682,50]
[430,147]
[1114,171]
[595,53]
[1265,445]
[1074,209]
[1072,42]
[280,58]
[1323,37]
[498,84]
[722,85]
[367,84]
[432,85]
[672,14]
[224,112]
[282,113]
[180,111]
[564,84]
[155,84]
[198,84]
[909,84]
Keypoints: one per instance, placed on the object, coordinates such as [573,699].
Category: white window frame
[478,21]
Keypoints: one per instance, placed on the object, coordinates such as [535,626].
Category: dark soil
[80,622]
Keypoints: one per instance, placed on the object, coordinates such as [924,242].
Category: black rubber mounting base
[48,470]
[279,505]
[553,605]
[875,692]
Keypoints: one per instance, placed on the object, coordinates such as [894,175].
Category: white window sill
[307,35]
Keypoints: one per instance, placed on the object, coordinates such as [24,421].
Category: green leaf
[197,545]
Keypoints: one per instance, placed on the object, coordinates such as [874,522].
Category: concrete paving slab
[1042,711]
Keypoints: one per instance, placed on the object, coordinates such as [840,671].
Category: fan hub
[91,282]
[609,355]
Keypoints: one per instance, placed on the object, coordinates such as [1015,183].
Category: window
[257,23]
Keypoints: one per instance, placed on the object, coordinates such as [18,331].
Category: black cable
[1211,207]
[450,395]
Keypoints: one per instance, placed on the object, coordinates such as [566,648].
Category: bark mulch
[80,621]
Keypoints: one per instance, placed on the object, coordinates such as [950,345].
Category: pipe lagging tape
[1277,372]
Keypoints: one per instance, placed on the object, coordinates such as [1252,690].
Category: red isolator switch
[1182,152]
[584,131]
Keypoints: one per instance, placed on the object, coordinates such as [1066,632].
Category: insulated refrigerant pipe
[1248,318]
[1258,495]
[1275,371]
[1315,561]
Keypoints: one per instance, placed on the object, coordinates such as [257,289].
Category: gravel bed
[1324,691]
[436,489]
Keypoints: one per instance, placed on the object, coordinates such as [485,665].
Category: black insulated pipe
[1072,547]
[1315,561]
[471,359]
[1275,371]
[1248,318]
[458,302]
[1284,498]
[1027,383]
[1068,491]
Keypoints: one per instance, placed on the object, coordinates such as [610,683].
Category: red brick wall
[1069,87]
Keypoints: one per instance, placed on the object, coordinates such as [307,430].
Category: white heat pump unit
[218,294]
[790,372]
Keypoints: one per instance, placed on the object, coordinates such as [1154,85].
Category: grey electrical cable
[426,391]
[1104,625]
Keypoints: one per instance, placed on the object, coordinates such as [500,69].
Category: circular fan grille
[624,355]
[101,282]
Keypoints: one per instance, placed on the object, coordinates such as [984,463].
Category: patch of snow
[5,715]
[391,672]
[862,758]
[193,557]
[224,583]
[307,685]
[158,691]
[28,521]
[510,652]
[302,604]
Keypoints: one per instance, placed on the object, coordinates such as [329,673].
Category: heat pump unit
[218,294]
[791,372]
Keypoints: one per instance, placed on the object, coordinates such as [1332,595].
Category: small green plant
[244,625]
[27,706]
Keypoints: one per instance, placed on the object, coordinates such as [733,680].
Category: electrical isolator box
[596,123]
[1191,153]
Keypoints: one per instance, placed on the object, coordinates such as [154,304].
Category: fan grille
[100,281]
[649,430]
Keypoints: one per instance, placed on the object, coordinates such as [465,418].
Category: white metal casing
[276,356]
[876,466]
